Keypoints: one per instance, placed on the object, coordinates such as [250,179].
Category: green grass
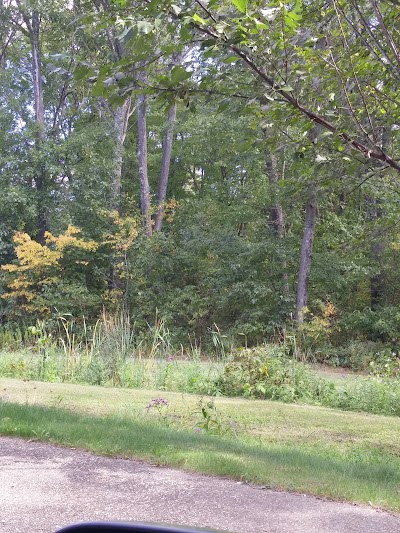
[330,453]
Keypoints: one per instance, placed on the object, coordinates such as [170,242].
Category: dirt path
[44,487]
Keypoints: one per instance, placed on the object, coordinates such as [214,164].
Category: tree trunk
[377,281]
[142,159]
[305,256]
[6,39]
[165,164]
[378,244]
[33,27]
[34,34]
[121,119]
[277,216]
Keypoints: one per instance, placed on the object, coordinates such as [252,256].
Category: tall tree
[31,17]
[120,113]
[142,154]
[306,254]
[165,164]
[277,215]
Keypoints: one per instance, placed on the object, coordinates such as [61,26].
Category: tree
[145,199]
[278,113]
[31,27]
[277,42]
[49,274]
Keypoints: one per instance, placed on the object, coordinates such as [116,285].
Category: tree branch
[384,29]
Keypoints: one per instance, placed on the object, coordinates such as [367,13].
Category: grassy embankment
[340,455]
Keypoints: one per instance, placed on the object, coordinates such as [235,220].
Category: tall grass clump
[109,352]
[107,345]
[372,395]
[12,338]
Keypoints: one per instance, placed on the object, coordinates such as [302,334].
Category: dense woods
[230,167]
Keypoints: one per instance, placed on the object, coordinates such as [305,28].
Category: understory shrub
[11,337]
[268,373]
[385,366]
[381,325]
[355,354]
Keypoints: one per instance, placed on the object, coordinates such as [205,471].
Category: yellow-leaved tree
[53,275]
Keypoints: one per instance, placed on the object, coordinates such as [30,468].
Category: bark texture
[142,159]
[121,118]
[34,35]
[306,256]
[40,178]
[378,245]
[32,22]
[165,165]
[277,215]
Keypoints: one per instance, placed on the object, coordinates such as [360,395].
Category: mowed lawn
[339,455]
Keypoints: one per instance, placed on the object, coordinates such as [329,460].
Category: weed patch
[268,373]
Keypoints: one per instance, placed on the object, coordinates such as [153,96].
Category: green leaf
[165,81]
[179,74]
[81,72]
[293,15]
[231,59]
[176,10]
[198,19]
[115,99]
[210,52]
[127,34]
[241,5]
[105,70]
[207,43]
[244,146]
[260,25]
[144,27]
[224,105]
[261,388]
[98,88]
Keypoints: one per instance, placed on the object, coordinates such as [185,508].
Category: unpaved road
[44,487]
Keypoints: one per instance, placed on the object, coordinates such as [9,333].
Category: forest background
[228,169]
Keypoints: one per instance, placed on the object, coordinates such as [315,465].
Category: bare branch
[385,30]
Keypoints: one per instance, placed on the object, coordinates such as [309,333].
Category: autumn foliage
[40,269]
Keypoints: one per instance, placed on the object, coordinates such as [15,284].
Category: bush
[356,354]
[382,325]
[385,366]
[267,372]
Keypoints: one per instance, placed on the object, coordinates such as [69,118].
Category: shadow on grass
[352,478]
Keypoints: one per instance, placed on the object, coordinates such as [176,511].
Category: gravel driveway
[44,487]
